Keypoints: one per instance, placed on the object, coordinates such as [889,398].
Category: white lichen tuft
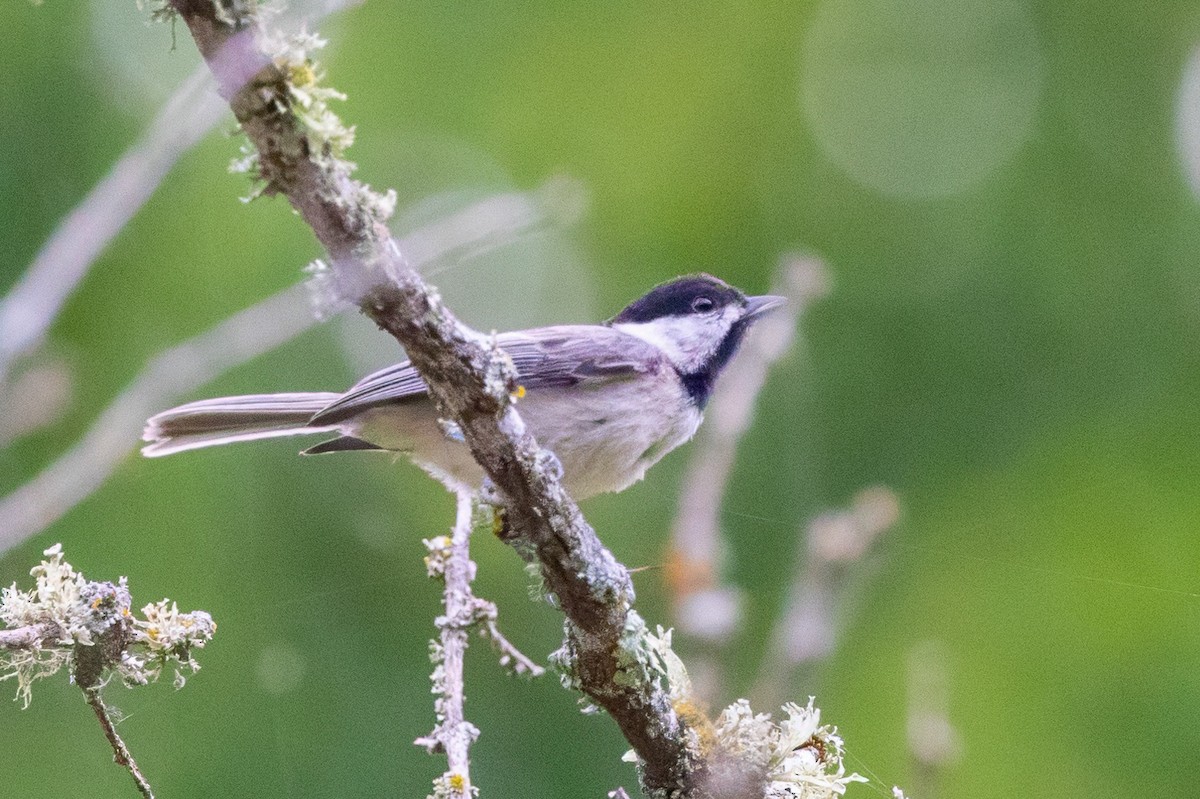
[645,658]
[438,556]
[798,757]
[806,760]
[54,599]
[168,637]
[54,602]
[667,665]
[47,626]
[295,54]
[745,735]
[324,295]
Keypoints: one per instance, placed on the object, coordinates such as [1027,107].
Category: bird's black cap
[679,297]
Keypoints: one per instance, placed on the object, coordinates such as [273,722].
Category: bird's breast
[607,437]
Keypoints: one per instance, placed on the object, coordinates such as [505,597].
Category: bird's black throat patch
[699,384]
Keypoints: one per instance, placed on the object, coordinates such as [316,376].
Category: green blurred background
[1001,192]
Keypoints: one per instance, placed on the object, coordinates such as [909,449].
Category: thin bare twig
[510,656]
[32,305]
[833,544]
[178,370]
[471,383]
[121,754]
[34,302]
[33,636]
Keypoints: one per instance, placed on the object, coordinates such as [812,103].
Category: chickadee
[610,400]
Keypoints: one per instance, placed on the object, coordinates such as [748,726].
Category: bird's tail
[208,423]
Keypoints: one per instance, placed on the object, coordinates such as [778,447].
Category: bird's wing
[561,356]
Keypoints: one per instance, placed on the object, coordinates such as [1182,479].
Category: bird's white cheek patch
[689,341]
[655,334]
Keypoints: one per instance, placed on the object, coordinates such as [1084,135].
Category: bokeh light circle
[921,98]
[280,668]
[1187,121]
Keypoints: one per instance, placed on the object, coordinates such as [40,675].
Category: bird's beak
[756,306]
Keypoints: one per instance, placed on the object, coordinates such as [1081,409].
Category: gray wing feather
[549,357]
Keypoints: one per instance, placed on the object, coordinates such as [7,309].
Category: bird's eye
[702,305]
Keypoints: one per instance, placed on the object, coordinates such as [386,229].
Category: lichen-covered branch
[451,561]
[469,379]
[68,621]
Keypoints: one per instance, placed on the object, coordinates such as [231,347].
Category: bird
[608,399]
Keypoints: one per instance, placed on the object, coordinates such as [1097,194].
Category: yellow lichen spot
[520,392]
[693,714]
[302,74]
[125,612]
[458,782]
[97,602]
[152,633]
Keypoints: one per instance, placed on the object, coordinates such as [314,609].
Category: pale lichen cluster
[438,552]
[796,757]
[168,637]
[301,101]
[310,97]
[49,626]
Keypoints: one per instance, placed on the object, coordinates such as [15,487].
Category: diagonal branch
[469,380]
[175,371]
[33,303]
[510,657]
